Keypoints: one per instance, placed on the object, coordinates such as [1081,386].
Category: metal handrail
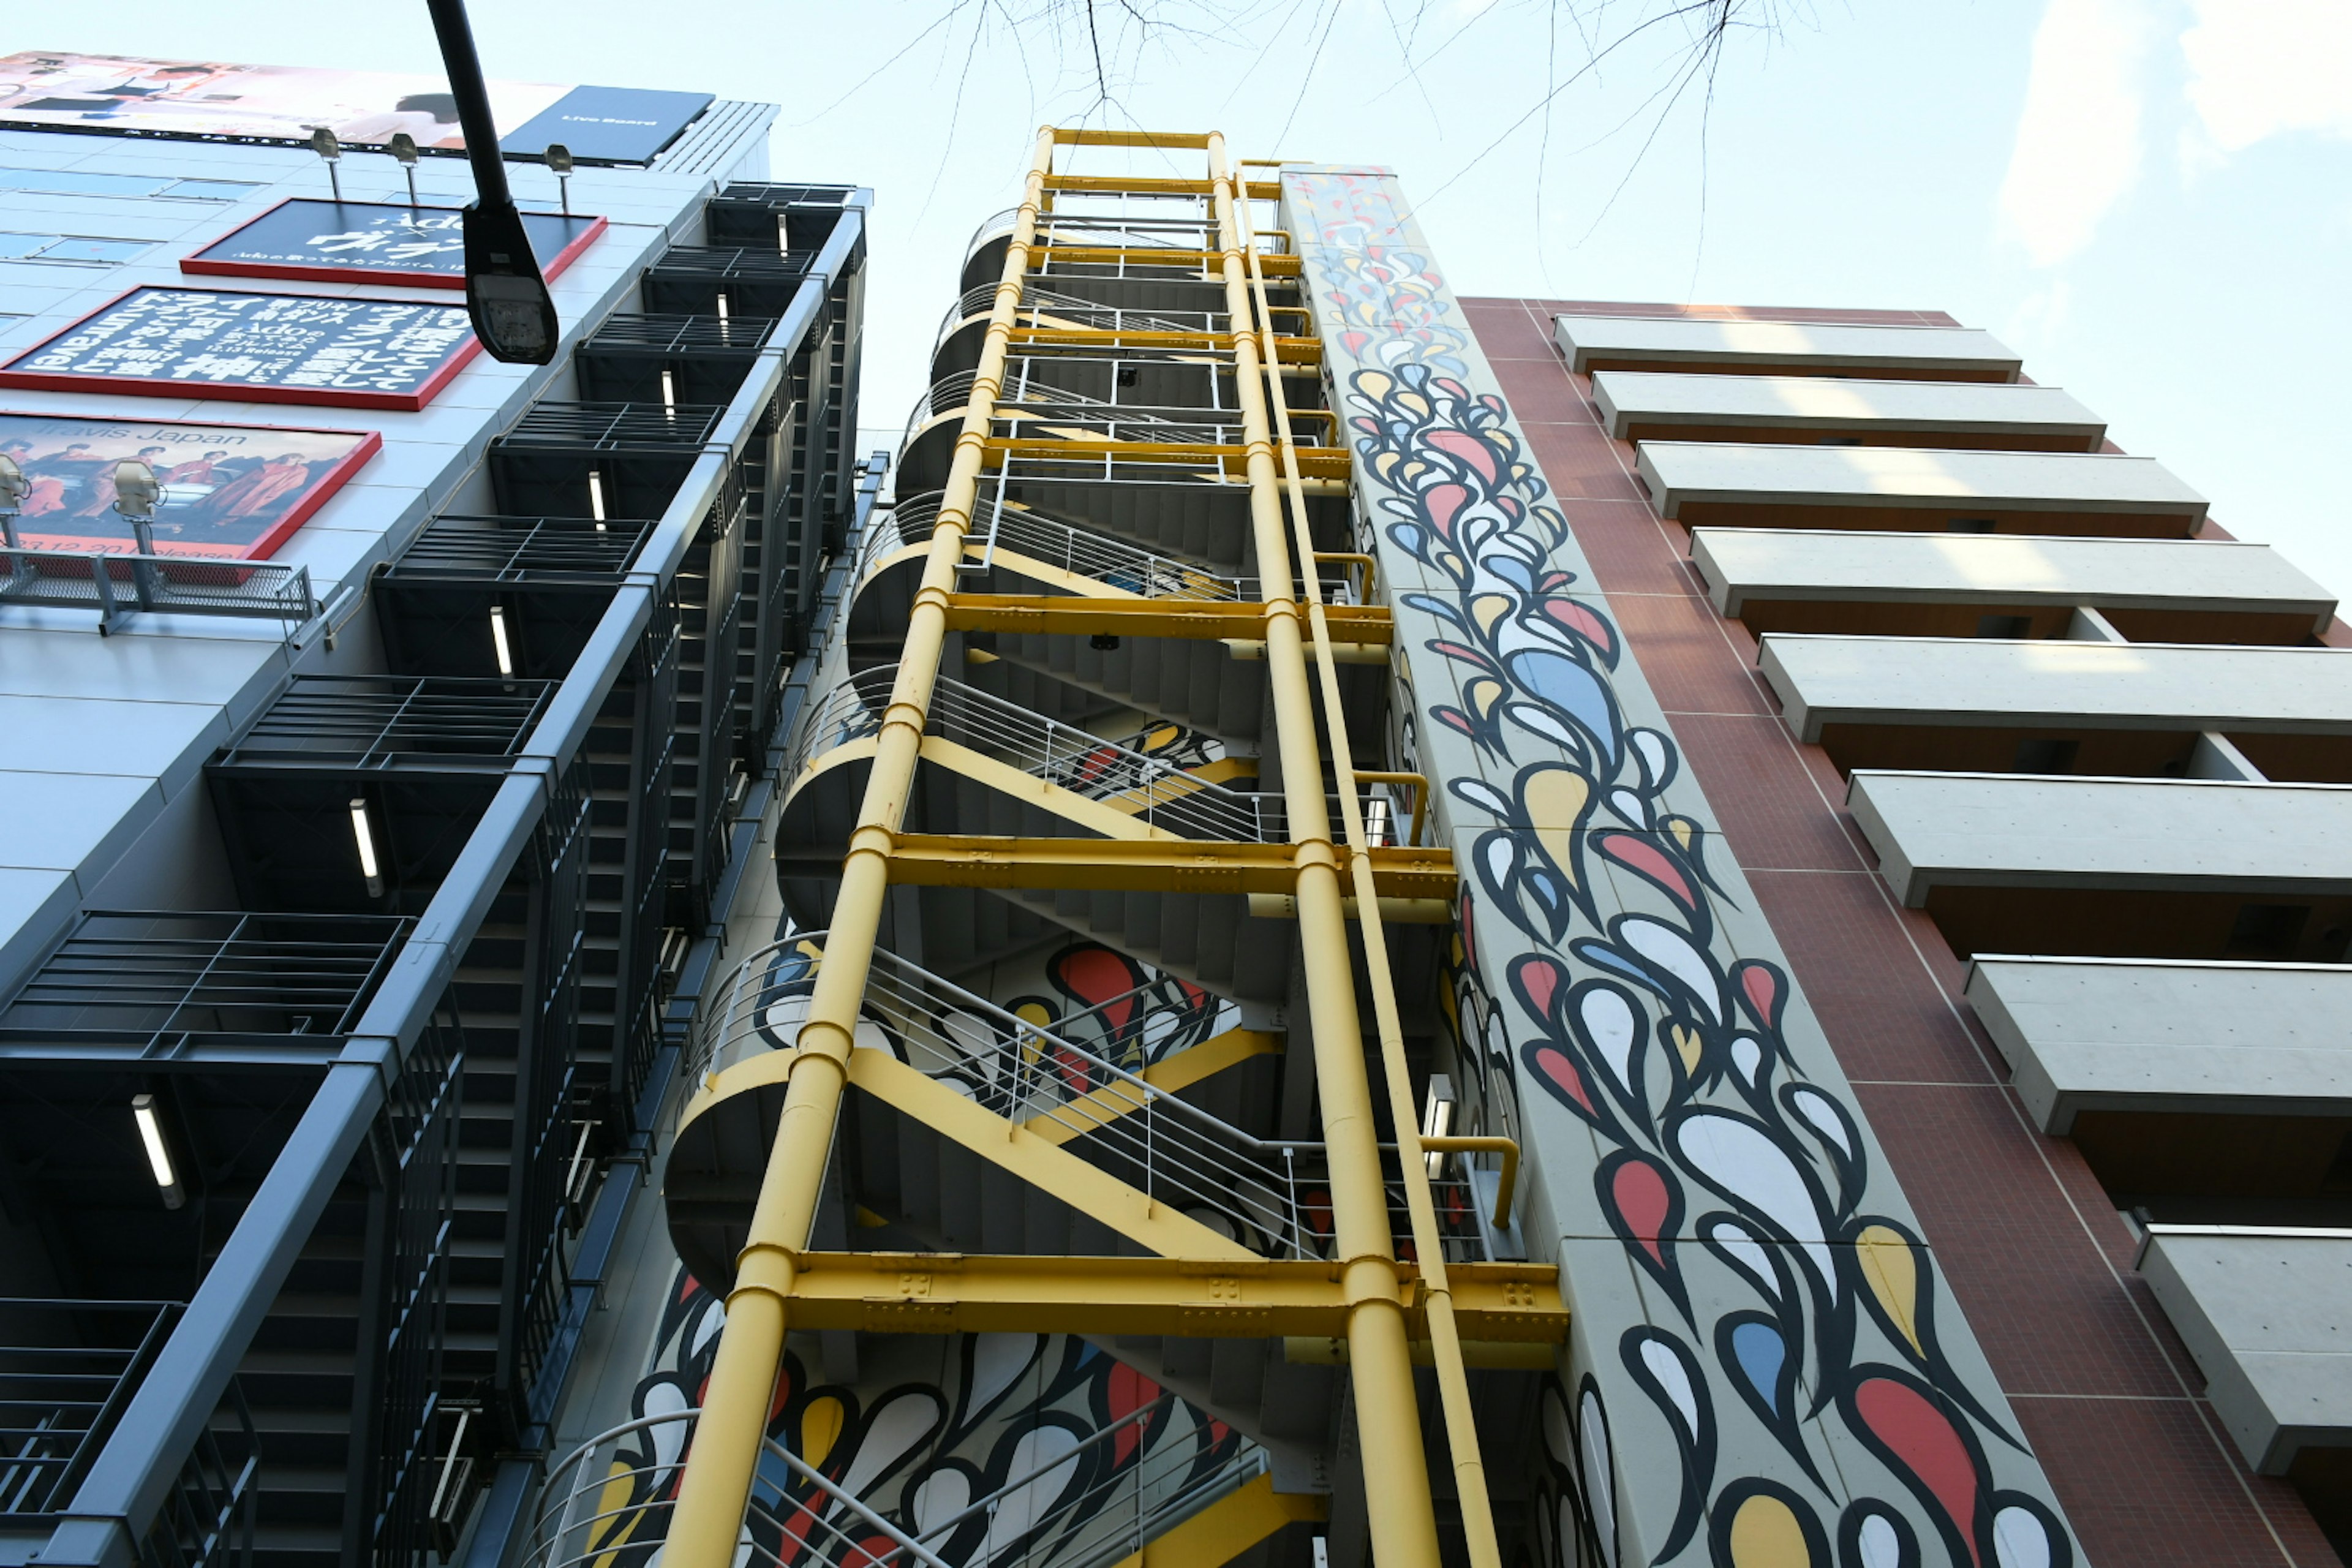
[1050,409]
[588,1516]
[1080,550]
[584,1521]
[1035,301]
[1260,1191]
[1151,790]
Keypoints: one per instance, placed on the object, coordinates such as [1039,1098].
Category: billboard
[255,348]
[319,241]
[132,96]
[230,492]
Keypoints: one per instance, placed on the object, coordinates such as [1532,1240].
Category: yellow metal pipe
[1402,1520]
[1445,1343]
[717,1485]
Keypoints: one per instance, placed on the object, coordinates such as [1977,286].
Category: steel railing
[1271,1195]
[1153,791]
[167,584]
[608,1505]
[1050,542]
[608,1502]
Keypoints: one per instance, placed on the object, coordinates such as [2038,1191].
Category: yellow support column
[1404,1525]
[1445,1341]
[717,1486]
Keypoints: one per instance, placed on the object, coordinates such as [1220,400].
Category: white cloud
[2258,68]
[2078,138]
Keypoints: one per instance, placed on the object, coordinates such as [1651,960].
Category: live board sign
[256,348]
[318,241]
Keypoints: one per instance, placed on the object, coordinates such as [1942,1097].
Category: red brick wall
[2037,1259]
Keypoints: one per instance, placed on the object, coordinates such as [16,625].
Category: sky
[2150,200]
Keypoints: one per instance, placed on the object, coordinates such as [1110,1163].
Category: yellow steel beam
[1277,266]
[1292,351]
[1446,1357]
[1204,619]
[1190,1298]
[1403,1518]
[1186,1067]
[1158,864]
[1159,186]
[1074,136]
[1228,1527]
[1318,463]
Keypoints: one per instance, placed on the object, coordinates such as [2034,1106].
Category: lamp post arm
[466,85]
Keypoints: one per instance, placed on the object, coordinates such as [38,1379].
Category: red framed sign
[393,354]
[231,493]
[307,239]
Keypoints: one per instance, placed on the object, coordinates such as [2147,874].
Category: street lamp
[513,312]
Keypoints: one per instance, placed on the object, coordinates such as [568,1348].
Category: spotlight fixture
[1103,642]
[159,1153]
[364,837]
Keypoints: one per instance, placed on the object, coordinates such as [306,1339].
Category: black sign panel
[316,241]
[256,348]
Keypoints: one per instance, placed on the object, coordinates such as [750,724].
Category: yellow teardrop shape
[1893,1275]
[1489,608]
[1765,1534]
[819,1427]
[1687,1045]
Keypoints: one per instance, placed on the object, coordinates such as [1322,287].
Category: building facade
[379,804]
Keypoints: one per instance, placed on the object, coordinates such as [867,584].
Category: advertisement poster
[230,492]
[317,241]
[256,348]
[130,95]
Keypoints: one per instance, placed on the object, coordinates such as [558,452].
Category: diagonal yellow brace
[1181,1070]
[1095,815]
[1229,1527]
[1044,1164]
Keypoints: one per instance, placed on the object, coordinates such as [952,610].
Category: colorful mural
[1775,1323]
[930,1426]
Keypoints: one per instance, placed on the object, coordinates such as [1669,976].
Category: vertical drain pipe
[1404,1525]
[717,1486]
[1429,1246]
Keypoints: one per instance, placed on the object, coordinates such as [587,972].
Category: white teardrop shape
[1668,1368]
[2020,1540]
[1738,1158]
[1609,1024]
[1671,950]
[1881,1547]
[1600,1476]
[1023,1508]
[1734,1239]
[996,1361]
[1823,1116]
[903,1421]
[943,1495]
[1747,1058]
